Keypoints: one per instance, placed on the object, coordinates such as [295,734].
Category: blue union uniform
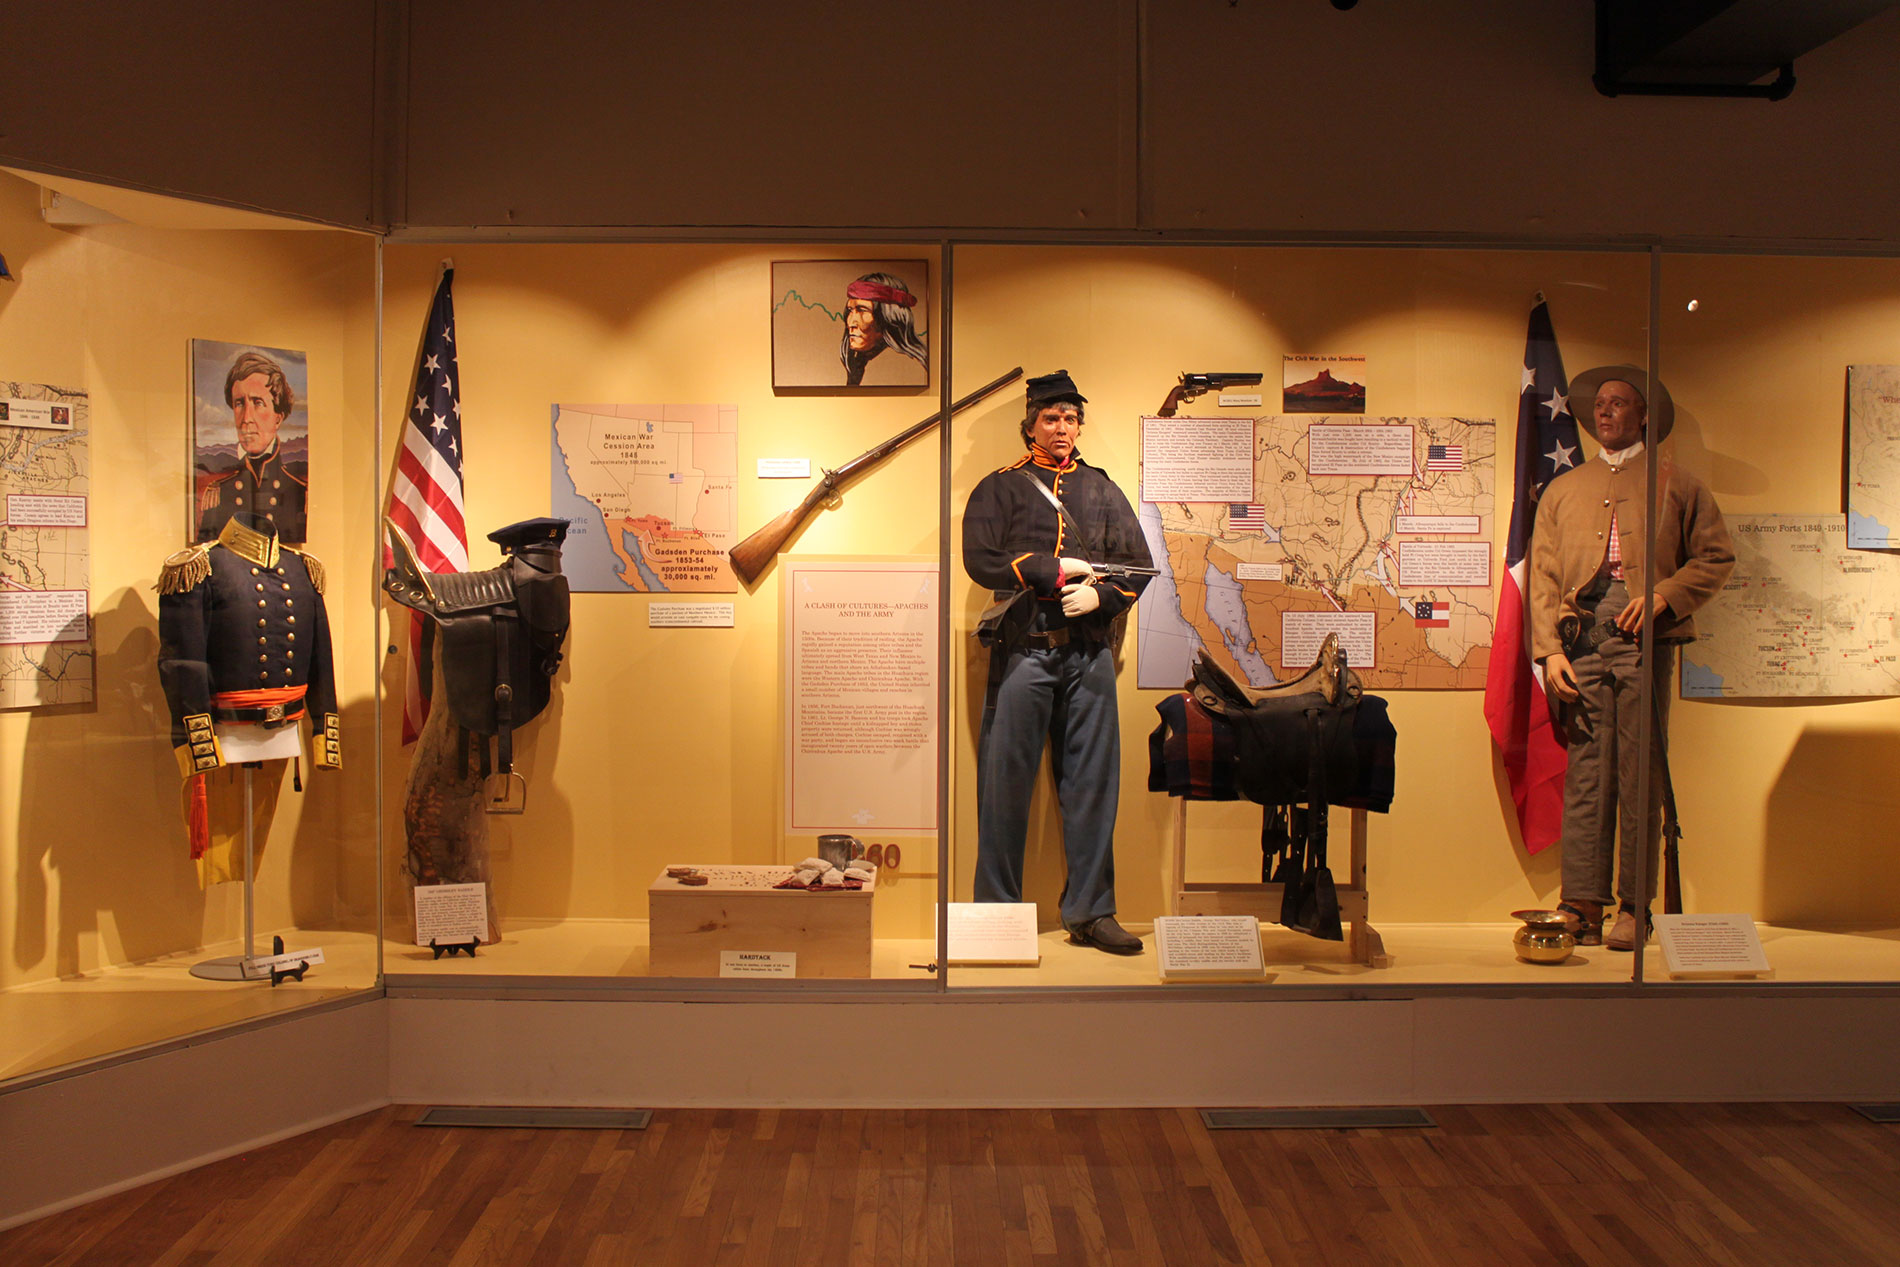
[1053,678]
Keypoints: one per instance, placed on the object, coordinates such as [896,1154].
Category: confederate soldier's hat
[1048,389]
[1584,388]
[543,534]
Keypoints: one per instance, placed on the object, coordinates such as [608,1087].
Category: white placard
[1207,947]
[1197,459]
[46,510]
[451,913]
[1350,450]
[860,696]
[289,959]
[1240,400]
[1301,634]
[1711,946]
[689,616]
[1446,563]
[47,415]
[1466,524]
[784,468]
[1259,571]
[994,932]
[42,616]
[758,963]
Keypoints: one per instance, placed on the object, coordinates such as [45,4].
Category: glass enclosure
[745,725]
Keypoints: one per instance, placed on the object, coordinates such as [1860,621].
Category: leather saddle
[501,633]
[1293,741]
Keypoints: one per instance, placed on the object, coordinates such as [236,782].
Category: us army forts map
[46,654]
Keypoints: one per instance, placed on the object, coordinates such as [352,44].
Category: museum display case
[121,318]
[744,630]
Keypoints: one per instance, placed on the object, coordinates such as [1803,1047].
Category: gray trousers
[1065,697]
[1600,802]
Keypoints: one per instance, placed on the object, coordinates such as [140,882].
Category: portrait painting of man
[250,426]
[846,324]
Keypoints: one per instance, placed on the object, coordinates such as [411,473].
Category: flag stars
[1558,404]
[432,365]
[1561,456]
[422,405]
[1530,380]
[448,334]
[440,423]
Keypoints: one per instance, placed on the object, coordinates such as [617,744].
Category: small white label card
[451,913]
[689,616]
[1239,400]
[758,963]
[1711,946]
[1259,571]
[289,959]
[1209,948]
[994,932]
[784,468]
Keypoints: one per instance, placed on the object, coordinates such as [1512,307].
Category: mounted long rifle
[753,555]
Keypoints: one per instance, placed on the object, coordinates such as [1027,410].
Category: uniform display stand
[249,966]
[1262,901]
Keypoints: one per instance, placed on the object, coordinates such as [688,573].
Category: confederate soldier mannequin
[1587,616]
[1052,670]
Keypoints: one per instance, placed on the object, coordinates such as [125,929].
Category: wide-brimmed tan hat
[1583,396]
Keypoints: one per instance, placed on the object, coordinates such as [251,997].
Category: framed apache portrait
[849,324]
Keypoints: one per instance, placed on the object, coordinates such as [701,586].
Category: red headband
[882,294]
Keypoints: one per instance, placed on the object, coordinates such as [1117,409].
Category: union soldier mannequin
[1587,614]
[1052,674]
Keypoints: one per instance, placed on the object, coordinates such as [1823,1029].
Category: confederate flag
[1514,703]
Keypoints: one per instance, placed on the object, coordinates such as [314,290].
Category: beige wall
[92,846]
[661,745]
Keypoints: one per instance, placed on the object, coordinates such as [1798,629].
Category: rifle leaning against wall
[753,555]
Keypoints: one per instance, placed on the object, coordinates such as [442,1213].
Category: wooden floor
[1662,1184]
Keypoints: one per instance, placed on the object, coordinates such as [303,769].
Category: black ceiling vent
[1715,48]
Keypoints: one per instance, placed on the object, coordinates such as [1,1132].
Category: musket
[1192,385]
[753,555]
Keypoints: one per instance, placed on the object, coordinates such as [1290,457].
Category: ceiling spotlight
[1694,304]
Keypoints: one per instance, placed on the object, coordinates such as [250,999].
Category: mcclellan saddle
[501,631]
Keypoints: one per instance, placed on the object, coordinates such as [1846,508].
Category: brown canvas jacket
[1694,554]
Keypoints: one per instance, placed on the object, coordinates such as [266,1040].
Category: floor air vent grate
[564,1119]
[1311,1119]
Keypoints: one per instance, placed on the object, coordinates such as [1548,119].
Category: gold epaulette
[183,570]
[312,565]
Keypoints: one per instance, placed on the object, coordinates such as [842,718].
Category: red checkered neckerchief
[1615,557]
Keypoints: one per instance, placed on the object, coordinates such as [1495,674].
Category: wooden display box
[738,909]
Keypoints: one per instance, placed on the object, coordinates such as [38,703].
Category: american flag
[1430,613]
[425,498]
[1246,515]
[1444,457]
[1514,703]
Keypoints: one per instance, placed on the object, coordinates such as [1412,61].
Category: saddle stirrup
[507,790]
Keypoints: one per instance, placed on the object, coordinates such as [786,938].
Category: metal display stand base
[247,966]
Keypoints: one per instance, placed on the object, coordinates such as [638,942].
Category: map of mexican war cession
[46,653]
[647,491]
[1399,562]
[1873,457]
[1801,615]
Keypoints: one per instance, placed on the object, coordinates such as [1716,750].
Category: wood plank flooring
[1569,1184]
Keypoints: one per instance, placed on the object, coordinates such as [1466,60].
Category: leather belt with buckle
[270,718]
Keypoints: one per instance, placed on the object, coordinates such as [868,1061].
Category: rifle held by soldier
[753,555]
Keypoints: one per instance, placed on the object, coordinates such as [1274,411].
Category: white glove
[1079,599]
[1075,569]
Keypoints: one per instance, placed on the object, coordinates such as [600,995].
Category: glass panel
[696,721]
[1263,555]
[1781,370]
[106,914]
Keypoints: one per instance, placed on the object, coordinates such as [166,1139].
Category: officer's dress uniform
[244,639]
[1054,679]
[261,486]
